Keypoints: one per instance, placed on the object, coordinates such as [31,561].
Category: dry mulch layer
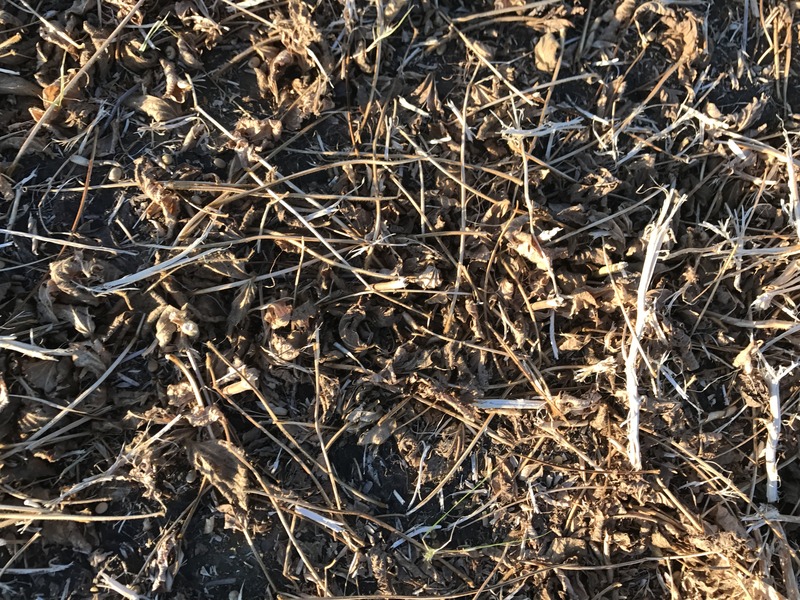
[399,299]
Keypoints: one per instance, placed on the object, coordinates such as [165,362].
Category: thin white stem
[773,381]
[657,233]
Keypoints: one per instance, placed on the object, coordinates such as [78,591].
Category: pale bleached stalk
[176,262]
[656,234]
[794,198]
[773,381]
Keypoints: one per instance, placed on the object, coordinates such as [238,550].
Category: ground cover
[393,299]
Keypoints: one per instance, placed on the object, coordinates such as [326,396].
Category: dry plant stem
[456,466]
[42,571]
[30,443]
[176,262]
[773,425]
[19,553]
[17,515]
[794,197]
[45,118]
[89,169]
[378,45]
[318,424]
[787,568]
[460,269]
[57,242]
[721,484]
[115,586]
[9,344]
[297,547]
[657,234]
[57,30]
[278,423]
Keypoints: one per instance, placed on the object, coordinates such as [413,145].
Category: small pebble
[167,159]
[220,163]
[115,174]
[208,526]
[191,477]
[170,52]
[254,62]
[101,508]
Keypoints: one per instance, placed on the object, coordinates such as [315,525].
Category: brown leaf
[278,314]
[72,275]
[187,53]
[77,316]
[241,304]
[546,53]
[176,87]
[225,466]
[157,109]
[526,245]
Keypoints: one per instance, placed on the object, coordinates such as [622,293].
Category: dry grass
[396,299]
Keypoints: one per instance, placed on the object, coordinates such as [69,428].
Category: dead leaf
[241,304]
[78,317]
[157,109]
[65,533]
[546,53]
[278,314]
[379,433]
[225,466]
[74,274]
[524,244]
[187,53]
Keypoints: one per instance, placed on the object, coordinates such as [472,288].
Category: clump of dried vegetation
[399,298]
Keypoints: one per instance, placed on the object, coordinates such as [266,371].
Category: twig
[773,378]
[657,234]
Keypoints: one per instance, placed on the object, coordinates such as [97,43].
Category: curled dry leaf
[349,326]
[427,96]
[90,356]
[262,133]
[526,245]
[278,314]
[241,304]
[288,348]
[78,317]
[187,53]
[145,174]
[225,466]
[157,109]
[172,321]
[166,562]
[176,86]
[546,53]
[240,385]
[74,275]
